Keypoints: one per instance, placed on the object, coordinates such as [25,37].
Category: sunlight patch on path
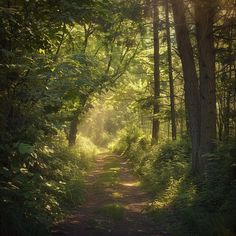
[117,195]
[131,184]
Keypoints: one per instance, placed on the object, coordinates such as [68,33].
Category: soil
[115,204]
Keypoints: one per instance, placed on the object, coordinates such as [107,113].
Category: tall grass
[182,203]
[38,189]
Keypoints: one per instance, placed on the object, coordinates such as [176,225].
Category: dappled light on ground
[117,195]
[131,184]
[115,204]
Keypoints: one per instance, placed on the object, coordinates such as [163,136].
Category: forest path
[114,205]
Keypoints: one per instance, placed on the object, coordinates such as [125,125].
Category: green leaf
[25,148]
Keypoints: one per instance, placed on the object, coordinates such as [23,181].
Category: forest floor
[115,204]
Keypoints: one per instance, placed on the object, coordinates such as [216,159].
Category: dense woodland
[151,80]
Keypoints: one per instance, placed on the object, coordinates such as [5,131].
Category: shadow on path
[115,204]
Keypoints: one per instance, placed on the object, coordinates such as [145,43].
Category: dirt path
[114,205]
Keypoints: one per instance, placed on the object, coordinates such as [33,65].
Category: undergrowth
[41,183]
[184,204]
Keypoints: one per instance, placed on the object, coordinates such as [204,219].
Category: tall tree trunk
[75,120]
[190,79]
[181,120]
[220,118]
[168,129]
[228,93]
[156,107]
[73,131]
[88,30]
[204,13]
[148,8]
[234,100]
[170,71]
[227,116]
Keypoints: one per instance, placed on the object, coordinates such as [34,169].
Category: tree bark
[88,30]
[170,72]
[73,131]
[220,122]
[190,79]
[204,14]
[156,107]
[228,93]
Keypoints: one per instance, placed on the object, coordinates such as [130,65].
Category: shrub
[203,207]
[130,135]
[40,184]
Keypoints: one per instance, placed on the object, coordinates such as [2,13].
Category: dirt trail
[115,204]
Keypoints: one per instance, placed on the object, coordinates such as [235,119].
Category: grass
[109,177]
[114,211]
[182,203]
[117,195]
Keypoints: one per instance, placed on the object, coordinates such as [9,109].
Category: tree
[204,16]
[190,79]
[156,87]
[170,72]
[116,49]
[200,99]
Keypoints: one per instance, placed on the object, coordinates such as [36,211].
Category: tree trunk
[204,13]
[75,120]
[190,79]
[73,131]
[147,8]
[228,93]
[181,120]
[170,71]
[220,118]
[227,116]
[234,101]
[156,107]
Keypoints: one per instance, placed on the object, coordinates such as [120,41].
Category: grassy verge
[181,203]
[113,211]
[42,186]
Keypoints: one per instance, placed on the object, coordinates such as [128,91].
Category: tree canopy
[154,80]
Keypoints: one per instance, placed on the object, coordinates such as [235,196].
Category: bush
[193,206]
[40,184]
[126,138]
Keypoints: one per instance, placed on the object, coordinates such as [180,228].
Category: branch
[62,39]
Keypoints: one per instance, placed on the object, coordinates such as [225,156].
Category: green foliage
[194,206]
[113,211]
[127,138]
[37,191]
[157,164]
[54,56]
[24,148]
